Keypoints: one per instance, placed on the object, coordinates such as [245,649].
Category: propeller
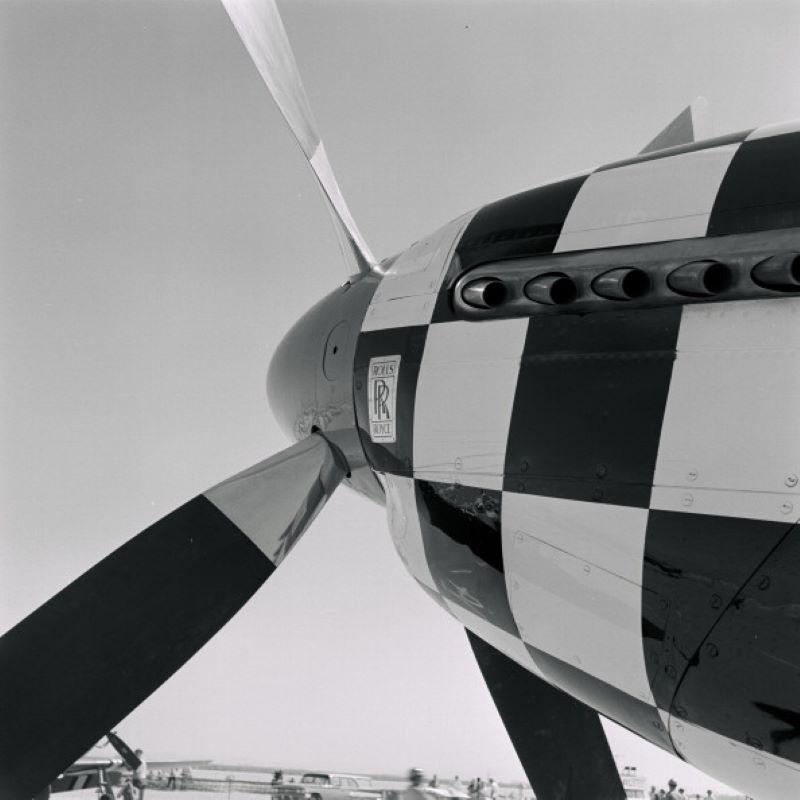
[260,28]
[87,657]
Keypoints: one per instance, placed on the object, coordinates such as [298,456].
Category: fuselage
[607,492]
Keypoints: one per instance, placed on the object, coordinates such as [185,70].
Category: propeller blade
[559,740]
[85,659]
[259,25]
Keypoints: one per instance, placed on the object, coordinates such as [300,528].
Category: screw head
[786,507]
[687,500]
[691,475]
[764,583]
[458,463]
[716,601]
[712,651]
[601,470]
[791,480]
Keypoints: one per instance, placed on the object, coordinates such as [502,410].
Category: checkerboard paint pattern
[550,476]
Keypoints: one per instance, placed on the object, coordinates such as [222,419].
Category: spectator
[653,795]
[277,777]
[672,794]
[492,788]
[434,781]
[126,792]
[186,777]
[414,792]
[709,795]
[172,781]
[139,778]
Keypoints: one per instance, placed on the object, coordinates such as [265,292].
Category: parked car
[336,786]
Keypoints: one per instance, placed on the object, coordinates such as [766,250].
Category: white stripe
[650,201]
[401,510]
[569,598]
[465,394]
[503,641]
[407,292]
[776,129]
[751,771]
[731,422]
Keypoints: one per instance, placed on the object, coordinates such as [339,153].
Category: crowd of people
[674,792]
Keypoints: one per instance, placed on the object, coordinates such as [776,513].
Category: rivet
[657,725]
[680,711]
[523,467]
[687,500]
[519,538]
[786,508]
[359,385]
[664,603]
[514,586]
[671,671]
[520,487]
[679,727]
[791,480]
[407,462]
[764,583]
[691,475]
[458,463]
[587,569]
[597,494]
[716,601]
[712,651]
[601,470]
[759,763]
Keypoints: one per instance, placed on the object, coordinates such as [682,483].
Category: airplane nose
[292,375]
[309,382]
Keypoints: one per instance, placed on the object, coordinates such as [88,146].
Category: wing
[559,740]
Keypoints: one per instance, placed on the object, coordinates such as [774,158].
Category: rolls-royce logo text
[382,397]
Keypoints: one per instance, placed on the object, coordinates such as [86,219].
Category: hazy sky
[159,233]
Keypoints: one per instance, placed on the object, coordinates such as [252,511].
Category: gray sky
[160,231]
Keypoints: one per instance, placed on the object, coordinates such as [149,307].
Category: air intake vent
[700,279]
[781,273]
[553,289]
[625,283]
[485,293]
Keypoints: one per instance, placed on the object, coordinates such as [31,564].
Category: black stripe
[589,404]
[560,742]
[409,343]
[743,680]
[524,224]
[85,659]
[461,534]
[630,712]
[761,189]
[693,566]
[691,147]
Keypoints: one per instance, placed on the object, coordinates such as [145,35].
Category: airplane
[556,397]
